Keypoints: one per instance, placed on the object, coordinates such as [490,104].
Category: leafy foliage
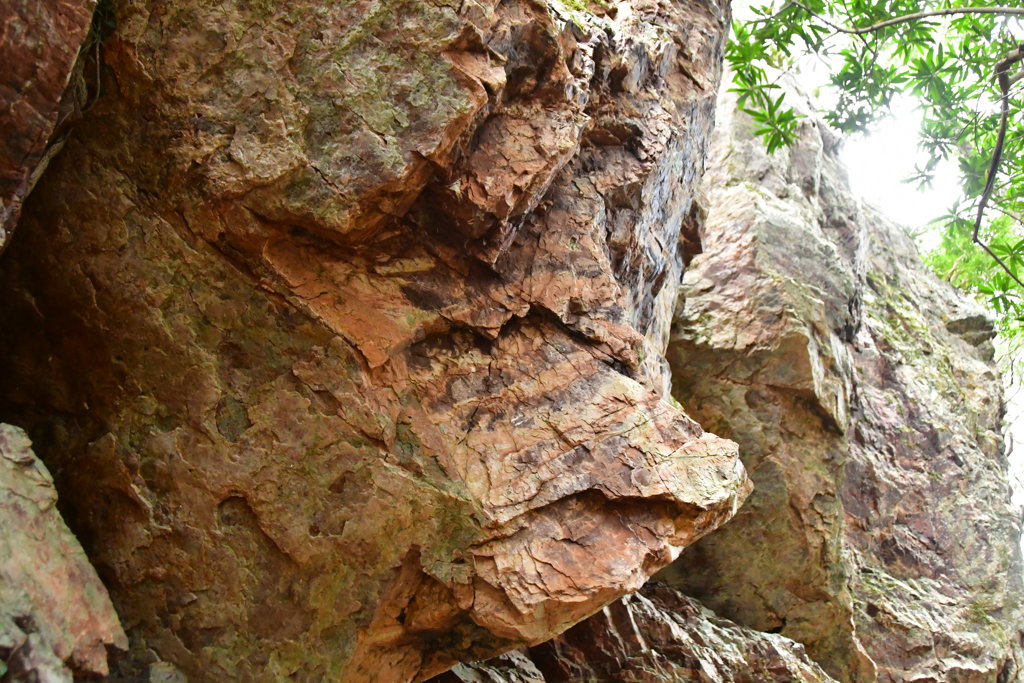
[962,263]
[947,63]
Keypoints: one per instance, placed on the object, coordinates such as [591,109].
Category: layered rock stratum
[880,541]
[342,325]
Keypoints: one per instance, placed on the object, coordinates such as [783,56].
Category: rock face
[342,326]
[343,329]
[39,49]
[652,636]
[867,408]
[55,615]
[879,542]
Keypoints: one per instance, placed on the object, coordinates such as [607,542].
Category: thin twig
[977,114]
[1009,214]
[807,9]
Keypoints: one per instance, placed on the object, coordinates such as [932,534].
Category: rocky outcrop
[55,615]
[41,91]
[343,329]
[879,542]
[867,408]
[652,636]
[342,326]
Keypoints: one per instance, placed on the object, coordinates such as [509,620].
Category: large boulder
[880,543]
[342,325]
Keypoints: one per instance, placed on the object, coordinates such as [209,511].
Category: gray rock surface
[864,398]
[655,635]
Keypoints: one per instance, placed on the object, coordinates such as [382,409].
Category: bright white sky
[879,164]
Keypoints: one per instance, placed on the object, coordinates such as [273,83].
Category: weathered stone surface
[39,46]
[654,635]
[55,615]
[345,325]
[863,397]
[512,667]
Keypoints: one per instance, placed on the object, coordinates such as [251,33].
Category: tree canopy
[963,63]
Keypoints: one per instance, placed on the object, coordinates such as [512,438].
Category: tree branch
[937,13]
[910,17]
[1005,81]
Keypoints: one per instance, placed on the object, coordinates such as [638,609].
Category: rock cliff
[348,332]
[342,325]
[867,407]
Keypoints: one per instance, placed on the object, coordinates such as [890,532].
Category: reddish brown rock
[40,41]
[55,615]
[880,538]
[345,325]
